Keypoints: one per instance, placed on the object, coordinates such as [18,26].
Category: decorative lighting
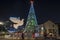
[17,21]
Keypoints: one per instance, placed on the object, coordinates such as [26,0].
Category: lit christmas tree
[31,20]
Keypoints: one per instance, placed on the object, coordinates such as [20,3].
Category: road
[18,39]
[26,39]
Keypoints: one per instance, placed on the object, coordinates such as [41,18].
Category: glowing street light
[1,23]
[42,28]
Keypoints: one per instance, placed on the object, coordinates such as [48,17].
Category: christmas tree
[31,20]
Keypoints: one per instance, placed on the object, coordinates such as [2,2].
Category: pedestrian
[45,36]
[36,36]
[22,36]
[19,35]
[33,36]
[51,38]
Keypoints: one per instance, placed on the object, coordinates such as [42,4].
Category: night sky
[44,9]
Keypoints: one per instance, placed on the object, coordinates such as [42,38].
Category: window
[53,26]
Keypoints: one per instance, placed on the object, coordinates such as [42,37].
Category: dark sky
[44,9]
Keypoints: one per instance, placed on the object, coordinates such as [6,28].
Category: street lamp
[1,23]
[42,28]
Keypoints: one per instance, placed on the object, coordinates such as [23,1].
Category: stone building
[50,28]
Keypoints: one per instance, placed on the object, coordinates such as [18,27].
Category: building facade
[50,28]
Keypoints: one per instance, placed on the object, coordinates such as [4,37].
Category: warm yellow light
[42,28]
[1,23]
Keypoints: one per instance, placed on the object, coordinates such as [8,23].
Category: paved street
[15,39]
[1,38]
[27,39]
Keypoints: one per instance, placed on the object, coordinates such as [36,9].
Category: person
[50,36]
[46,36]
[22,36]
[36,36]
[33,35]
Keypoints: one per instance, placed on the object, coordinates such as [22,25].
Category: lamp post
[42,31]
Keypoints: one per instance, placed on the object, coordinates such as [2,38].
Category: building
[58,24]
[50,28]
[58,28]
